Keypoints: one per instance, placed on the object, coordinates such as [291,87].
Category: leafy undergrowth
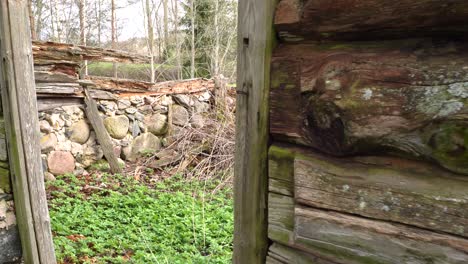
[117,219]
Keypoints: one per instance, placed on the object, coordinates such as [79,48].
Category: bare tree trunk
[38,18]
[215,72]
[150,36]
[98,8]
[192,60]
[177,40]
[165,25]
[52,20]
[32,25]
[113,35]
[82,11]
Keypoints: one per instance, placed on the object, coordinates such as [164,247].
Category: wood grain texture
[280,218]
[355,240]
[369,19]
[46,52]
[255,43]
[20,110]
[396,97]
[388,189]
[278,253]
[102,136]
[281,170]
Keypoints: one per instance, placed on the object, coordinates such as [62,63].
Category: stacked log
[369,120]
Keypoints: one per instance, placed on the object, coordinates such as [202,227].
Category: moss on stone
[5,180]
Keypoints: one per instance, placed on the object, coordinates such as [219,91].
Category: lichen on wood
[405,98]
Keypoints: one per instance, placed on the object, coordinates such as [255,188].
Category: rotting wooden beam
[20,111]
[53,51]
[255,44]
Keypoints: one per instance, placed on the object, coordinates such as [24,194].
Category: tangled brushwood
[200,153]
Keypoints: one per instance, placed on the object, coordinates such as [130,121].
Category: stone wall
[10,246]
[137,124]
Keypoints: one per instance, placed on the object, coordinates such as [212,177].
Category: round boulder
[61,162]
[117,126]
[156,124]
[79,132]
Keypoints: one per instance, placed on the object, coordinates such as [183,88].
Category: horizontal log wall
[369,123]
[326,206]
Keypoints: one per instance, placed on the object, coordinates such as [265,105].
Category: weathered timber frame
[20,111]
[255,43]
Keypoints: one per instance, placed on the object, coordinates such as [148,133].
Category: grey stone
[136,100]
[145,109]
[48,142]
[56,121]
[10,245]
[117,126]
[49,176]
[135,129]
[72,110]
[160,109]
[183,100]
[197,121]
[45,127]
[131,110]
[139,116]
[156,124]
[180,115]
[79,132]
[200,107]
[123,104]
[142,144]
[204,96]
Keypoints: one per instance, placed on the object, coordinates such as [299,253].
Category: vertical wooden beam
[255,43]
[102,136]
[22,126]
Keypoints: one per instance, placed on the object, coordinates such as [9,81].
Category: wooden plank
[281,170]
[255,43]
[355,240]
[398,97]
[58,88]
[44,104]
[389,189]
[280,218]
[102,135]
[370,19]
[20,109]
[281,254]
[54,77]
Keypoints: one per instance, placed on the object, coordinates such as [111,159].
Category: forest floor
[174,206]
[102,218]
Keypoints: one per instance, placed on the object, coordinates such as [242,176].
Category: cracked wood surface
[407,98]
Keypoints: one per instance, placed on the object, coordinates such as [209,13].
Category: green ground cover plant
[104,218]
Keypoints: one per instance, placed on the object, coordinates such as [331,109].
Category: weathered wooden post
[255,43]
[21,122]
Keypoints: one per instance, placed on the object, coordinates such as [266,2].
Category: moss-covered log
[370,19]
[401,97]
